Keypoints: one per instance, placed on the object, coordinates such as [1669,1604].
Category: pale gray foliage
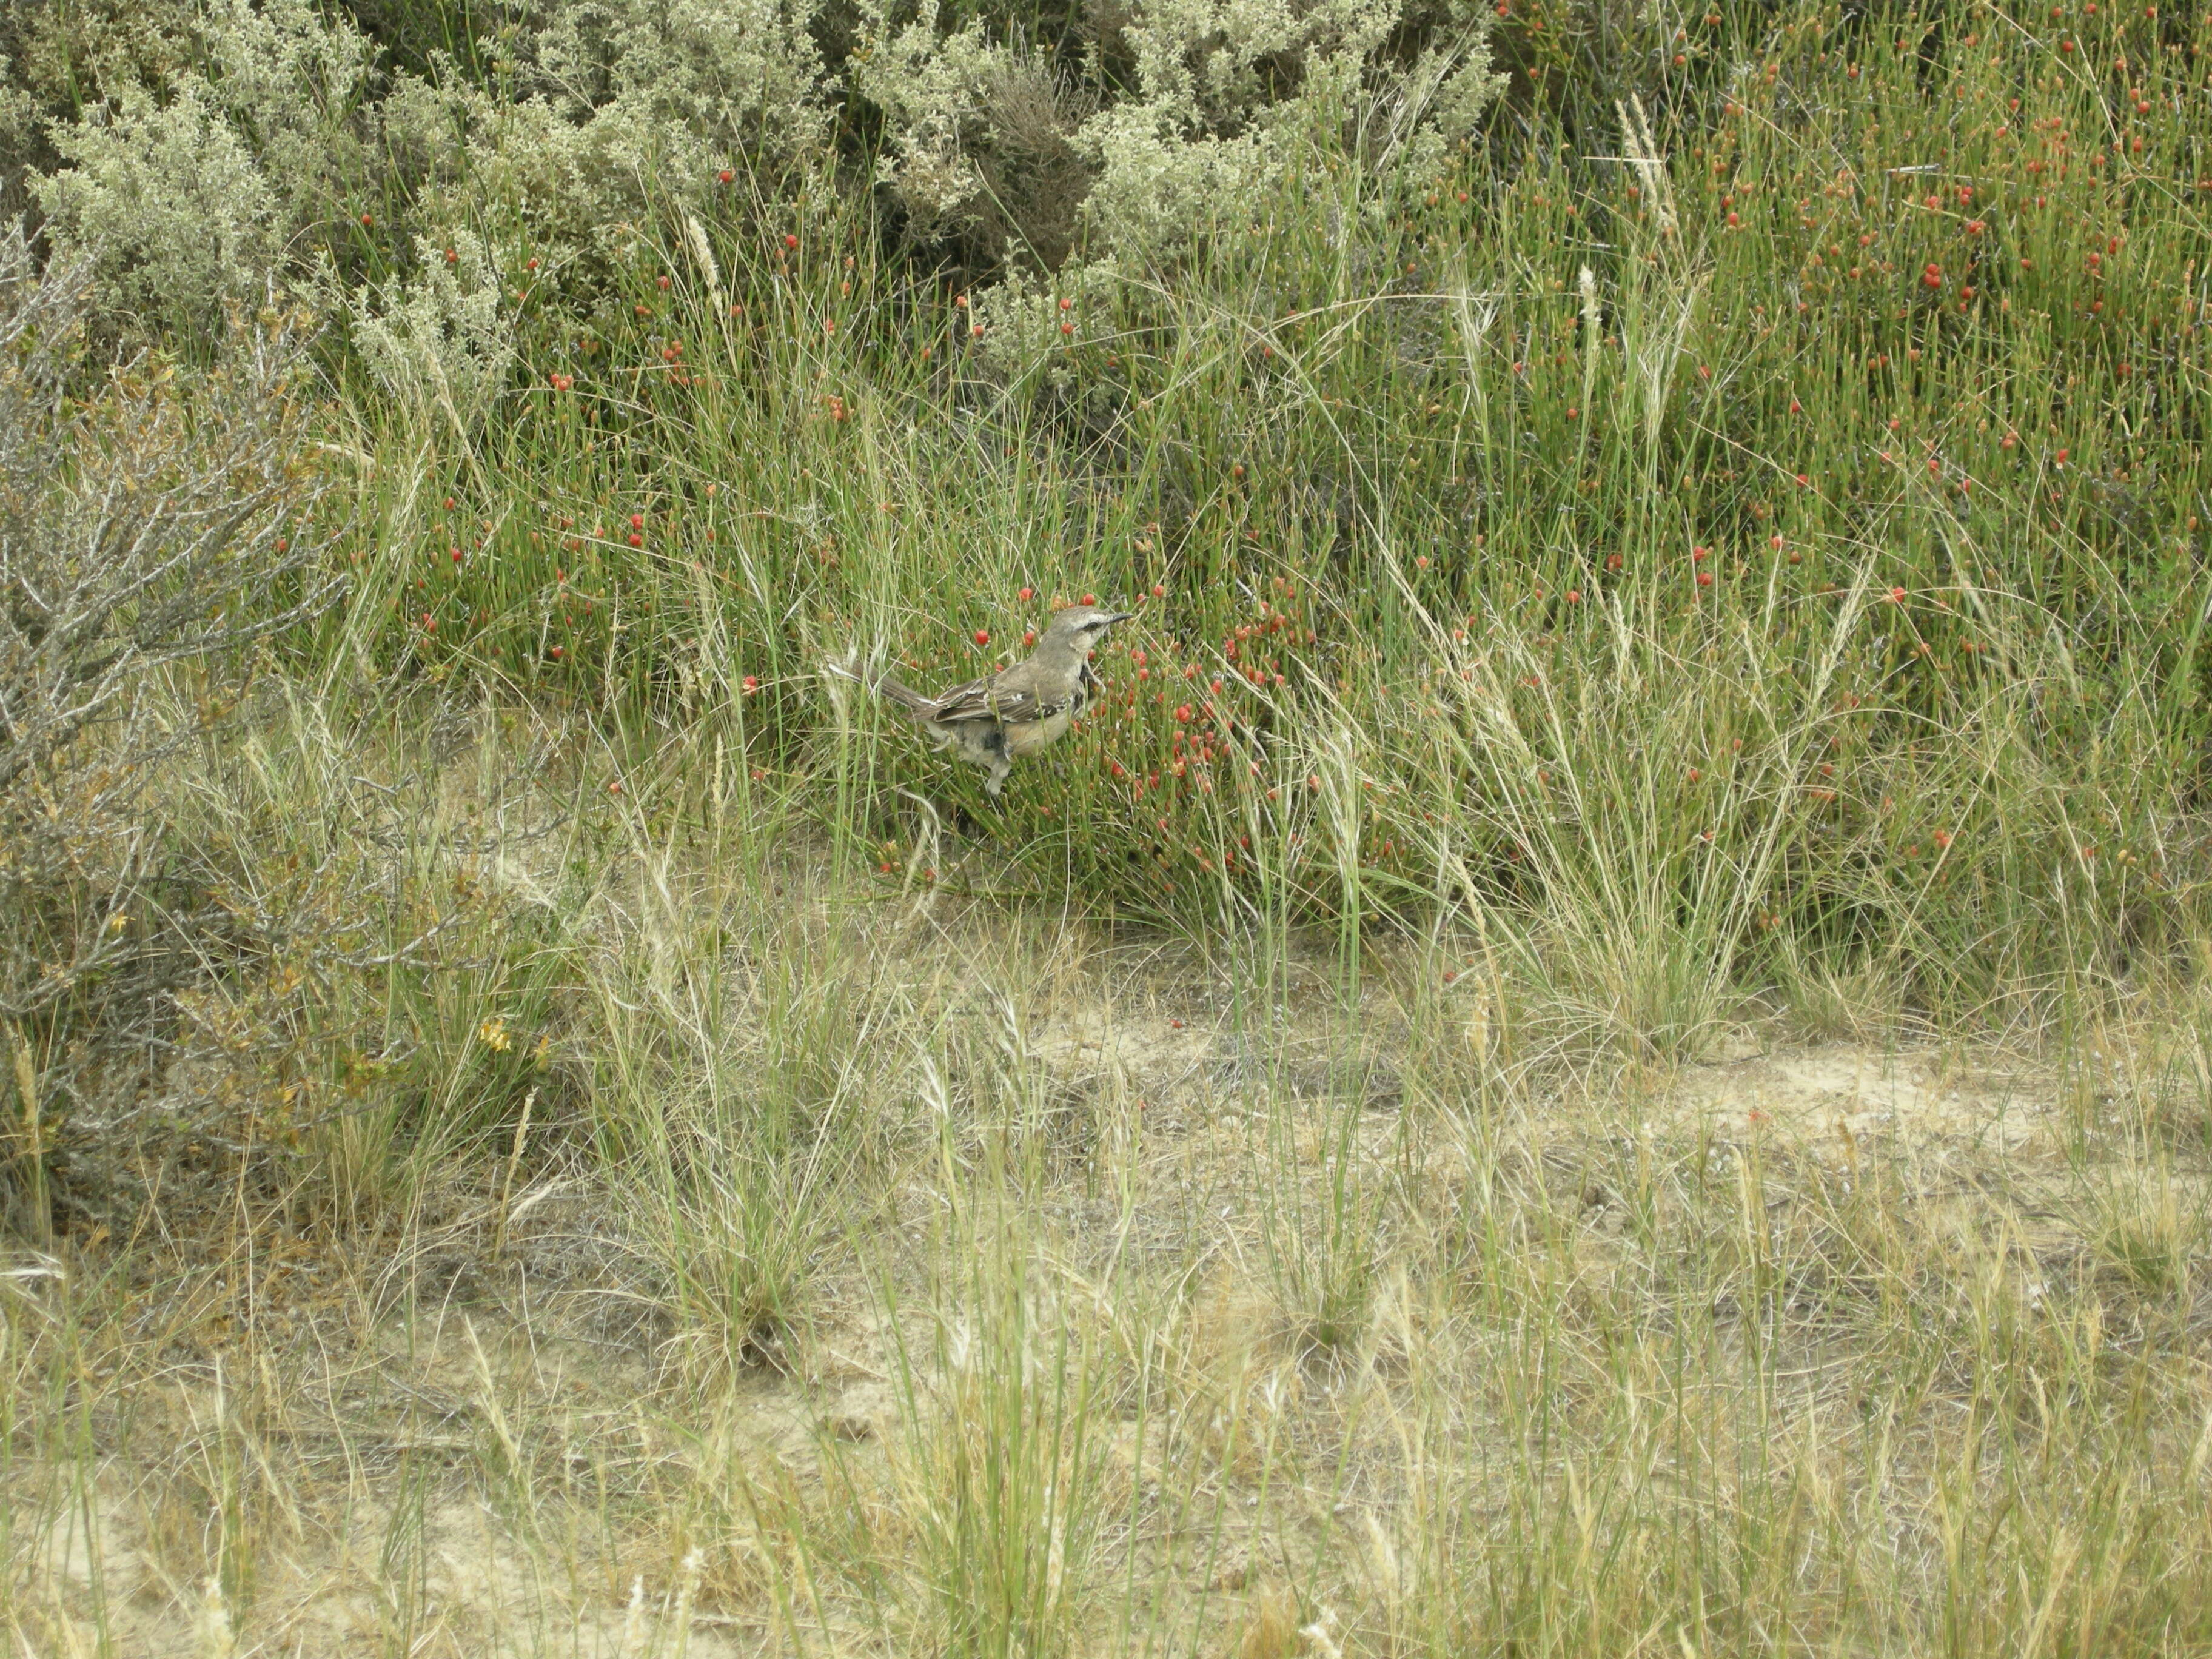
[596,113]
[443,340]
[1209,130]
[197,198]
[174,200]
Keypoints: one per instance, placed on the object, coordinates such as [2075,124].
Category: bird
[1010,715]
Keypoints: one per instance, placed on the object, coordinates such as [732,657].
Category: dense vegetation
[1643,524]
[1751,528]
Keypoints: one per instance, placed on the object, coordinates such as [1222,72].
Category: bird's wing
[1011,698]
[960,703]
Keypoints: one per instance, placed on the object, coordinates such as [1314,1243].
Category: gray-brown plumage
[1002,717]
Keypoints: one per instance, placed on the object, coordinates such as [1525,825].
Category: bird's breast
[1027,738]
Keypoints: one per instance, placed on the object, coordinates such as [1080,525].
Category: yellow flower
[494,1033]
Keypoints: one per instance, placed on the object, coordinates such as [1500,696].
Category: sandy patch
[1834,1096]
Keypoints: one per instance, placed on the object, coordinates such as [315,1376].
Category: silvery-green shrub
[585,122]
[263,149]
[1214,127]
[196,197]
[441,340]
[175,203]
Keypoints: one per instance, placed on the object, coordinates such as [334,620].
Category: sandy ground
[389,1407]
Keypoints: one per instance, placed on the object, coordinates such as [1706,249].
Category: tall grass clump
[1000,1472]
[744,1082]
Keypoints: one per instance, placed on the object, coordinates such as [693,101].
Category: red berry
[982,636]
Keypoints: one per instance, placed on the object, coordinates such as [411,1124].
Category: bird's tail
[904,696]
[849,667]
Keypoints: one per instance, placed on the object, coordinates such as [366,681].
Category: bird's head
[1082,626]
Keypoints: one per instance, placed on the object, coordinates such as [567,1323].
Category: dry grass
[919,1277]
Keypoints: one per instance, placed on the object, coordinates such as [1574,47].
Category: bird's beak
[1117,616]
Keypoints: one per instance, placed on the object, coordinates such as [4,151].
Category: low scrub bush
[153,527]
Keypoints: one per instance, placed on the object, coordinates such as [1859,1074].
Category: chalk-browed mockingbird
[1002,717]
